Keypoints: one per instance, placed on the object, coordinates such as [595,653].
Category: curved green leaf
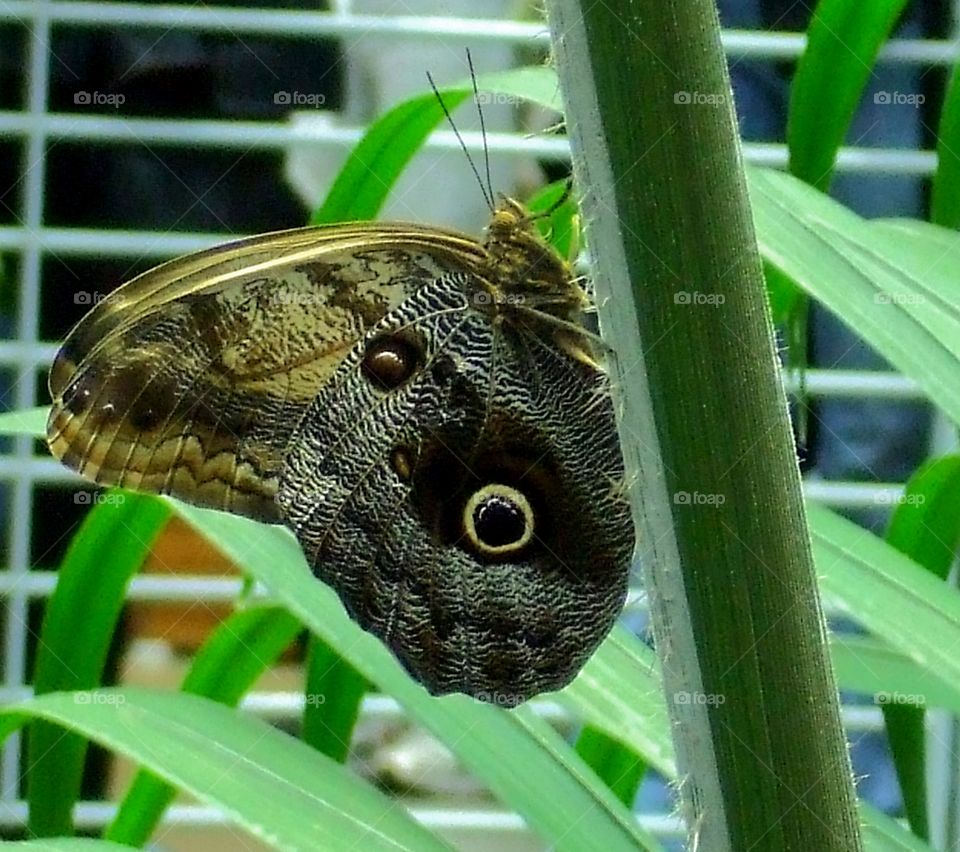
[619,692]
[67,844]
[925,525]
[280,790]
[945,188]
[914,612]
[529,757]
[888,594]
[225,667]
[618,765]
[559,220]
[333,692]
[843,41]
[78,626]
[882,833]
[872,667]
[898,287]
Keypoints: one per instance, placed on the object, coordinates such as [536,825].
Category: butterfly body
[422,410]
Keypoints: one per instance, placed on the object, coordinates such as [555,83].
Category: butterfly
[426,412]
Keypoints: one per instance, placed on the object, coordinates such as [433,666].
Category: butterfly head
[527,270]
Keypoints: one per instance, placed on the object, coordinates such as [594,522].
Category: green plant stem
[704,422]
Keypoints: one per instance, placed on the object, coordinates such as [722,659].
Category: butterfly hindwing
[383,486]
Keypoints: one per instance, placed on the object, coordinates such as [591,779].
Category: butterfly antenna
[463,147]
[555,205]
[483,126]
[564,196]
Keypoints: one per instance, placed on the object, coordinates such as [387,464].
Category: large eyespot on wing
[190,379]
[537,546]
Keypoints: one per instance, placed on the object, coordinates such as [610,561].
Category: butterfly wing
[470,511]
[452,472]
[190,379]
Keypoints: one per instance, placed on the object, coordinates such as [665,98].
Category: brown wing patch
[190,380]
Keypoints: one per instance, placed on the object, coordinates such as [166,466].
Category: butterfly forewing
[189,379]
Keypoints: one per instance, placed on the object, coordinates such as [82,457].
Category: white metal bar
[862,384]
[166,588]
[36,354]
[91,816]
[853,495]
[36,468]
[300,24]
[19,522]
[279,22]
[249,135]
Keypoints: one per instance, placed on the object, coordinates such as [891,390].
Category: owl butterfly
[424,411]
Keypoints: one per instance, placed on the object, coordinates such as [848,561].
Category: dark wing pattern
[475,518]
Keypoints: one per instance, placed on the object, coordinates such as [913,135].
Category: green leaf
[784,294]
[78,626]
[619,691]
[925,525]
[887,593]
[530,757]
[882,833]
[561,227]
[389,144]
[30,421]
[911,608]
[280,790]
[874,276]
[333,693]
[843,41]
[619,767]
[945,189]
[872,667]
[225,667]
[67,844]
